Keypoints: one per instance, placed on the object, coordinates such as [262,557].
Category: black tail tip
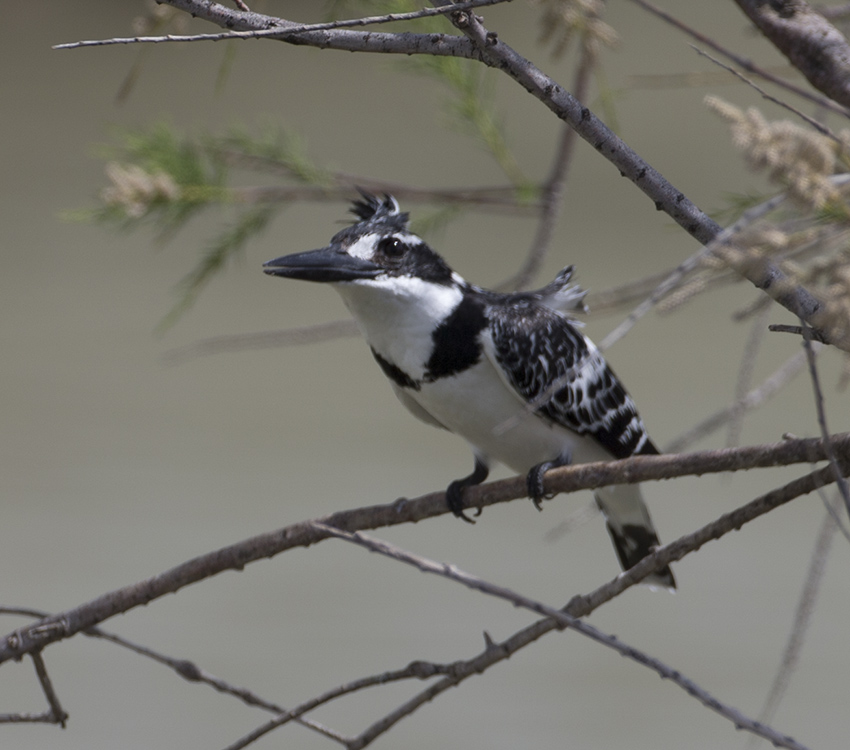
[632,544]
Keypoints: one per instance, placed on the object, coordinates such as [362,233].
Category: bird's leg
[534,478]
[454,492]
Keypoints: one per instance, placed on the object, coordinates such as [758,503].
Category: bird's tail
[631,529]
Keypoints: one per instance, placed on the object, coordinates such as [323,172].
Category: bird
[511,373]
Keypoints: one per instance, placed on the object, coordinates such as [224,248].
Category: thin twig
[833,509]
[639,289]
[551,205]
[264,340]
[552,197]
[43,718]
[819,126]
[673,279]
[626,293]
[574,520]
[712,78]
[338,39]
[188,670]
[743,383]
[284,30]
[420,670]
[768,388]
[802,619]
[497,199]
[578,607]
[56,714]
[191,672]
[798,330]
[821,413]
[563,620]
[56,710]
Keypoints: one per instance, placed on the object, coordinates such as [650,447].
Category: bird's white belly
[480,407]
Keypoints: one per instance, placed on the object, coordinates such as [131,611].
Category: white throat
[397,315]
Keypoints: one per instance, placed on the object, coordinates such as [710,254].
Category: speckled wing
[547,360]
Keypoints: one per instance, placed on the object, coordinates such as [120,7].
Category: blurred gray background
[117,465]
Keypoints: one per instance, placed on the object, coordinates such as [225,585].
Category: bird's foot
[534,479]
[454,492]
[454,499]
[534,483]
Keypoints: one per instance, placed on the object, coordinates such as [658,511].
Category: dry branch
[286,30]
[562,620]
[566,479]
[742,62]
[581,606]
[56,714]
[811,43]
[339,39]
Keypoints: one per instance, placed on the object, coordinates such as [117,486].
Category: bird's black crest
[371,207]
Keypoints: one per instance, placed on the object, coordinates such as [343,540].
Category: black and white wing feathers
[556,368]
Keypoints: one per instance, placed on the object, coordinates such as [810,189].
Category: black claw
[454,499]
[534,483]
[454,492]
[534,479]
[537,503]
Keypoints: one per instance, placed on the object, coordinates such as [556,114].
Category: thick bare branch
[740,61]
[811,43]
[566,479]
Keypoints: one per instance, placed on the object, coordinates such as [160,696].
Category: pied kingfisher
[511,373]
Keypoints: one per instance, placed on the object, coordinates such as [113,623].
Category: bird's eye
[391,247]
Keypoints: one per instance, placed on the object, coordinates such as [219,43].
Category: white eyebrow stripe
[364,248]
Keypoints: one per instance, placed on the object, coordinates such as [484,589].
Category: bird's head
[378,248]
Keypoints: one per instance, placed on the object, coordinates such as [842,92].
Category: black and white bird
[510,373]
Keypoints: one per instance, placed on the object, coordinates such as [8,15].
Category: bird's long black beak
[327,265]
